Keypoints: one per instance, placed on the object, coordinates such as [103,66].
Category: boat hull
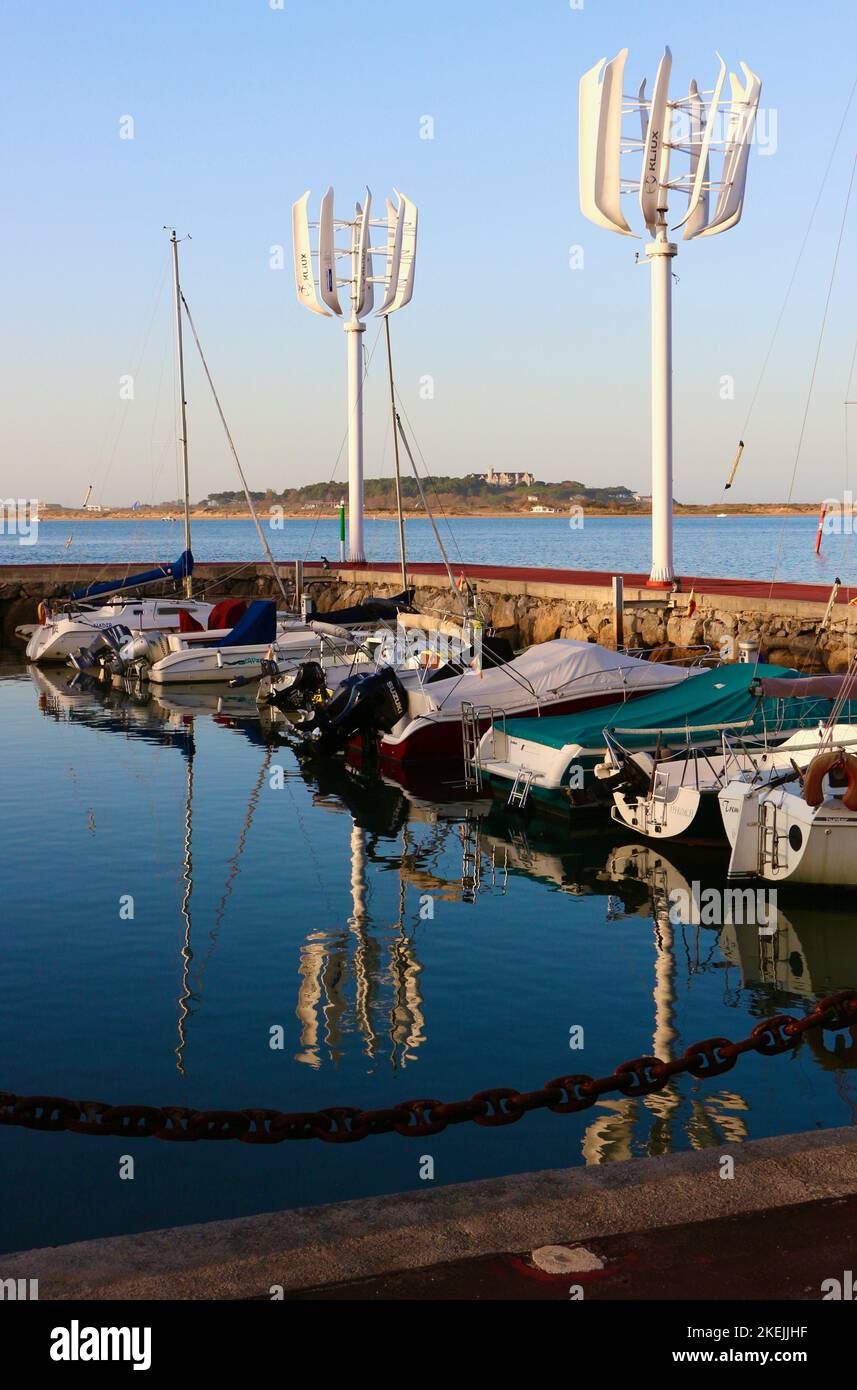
[429,737]
[56,641]
[776,836]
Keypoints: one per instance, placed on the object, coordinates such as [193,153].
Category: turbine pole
[317,285]
[660,253]
[714,205]
[354,331]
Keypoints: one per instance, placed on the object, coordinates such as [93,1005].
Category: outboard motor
[365,703]
[139,649]
[297,688]
[109,640]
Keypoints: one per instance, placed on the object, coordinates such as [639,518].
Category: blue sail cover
[258,626]
[182,567]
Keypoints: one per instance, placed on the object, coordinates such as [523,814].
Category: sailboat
[662,797]
[78,623]
[262,635]
[800,827]
[80,620]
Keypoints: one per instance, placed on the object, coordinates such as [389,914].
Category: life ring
[824,763]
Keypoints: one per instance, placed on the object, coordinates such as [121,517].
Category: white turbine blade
[598,163]
[408,255]
[304,279]
[699,195]
[730,204]
[364,289]
[608,170]
[655,171]
[395,231]
[644,109]
[327,255]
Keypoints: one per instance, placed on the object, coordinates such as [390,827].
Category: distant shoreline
[127,514]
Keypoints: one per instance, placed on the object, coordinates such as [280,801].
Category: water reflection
[359,981]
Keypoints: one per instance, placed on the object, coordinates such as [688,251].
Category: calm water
[408,945]
[746,547]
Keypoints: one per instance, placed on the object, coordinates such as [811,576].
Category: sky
[239,106]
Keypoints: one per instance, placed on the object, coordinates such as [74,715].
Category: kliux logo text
[76,1343]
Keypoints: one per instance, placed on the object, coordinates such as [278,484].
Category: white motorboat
[801,827]
[65,630]
[442,715]
[662,799]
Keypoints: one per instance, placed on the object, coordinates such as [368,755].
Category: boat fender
[42,613]
[824,764]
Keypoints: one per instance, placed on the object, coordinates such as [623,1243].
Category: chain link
[419,1119]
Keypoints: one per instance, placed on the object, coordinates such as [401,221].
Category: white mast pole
[660,253]
[188,583]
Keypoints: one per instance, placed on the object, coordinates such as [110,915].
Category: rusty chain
[418,1119]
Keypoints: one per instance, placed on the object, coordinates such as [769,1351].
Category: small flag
[691,607]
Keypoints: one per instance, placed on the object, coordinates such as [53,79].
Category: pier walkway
[651,1227]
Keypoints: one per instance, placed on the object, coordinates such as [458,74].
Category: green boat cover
[696,710]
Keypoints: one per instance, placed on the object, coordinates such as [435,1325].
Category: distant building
[505,479]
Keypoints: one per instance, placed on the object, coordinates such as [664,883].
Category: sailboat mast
[396,456]
[188,583]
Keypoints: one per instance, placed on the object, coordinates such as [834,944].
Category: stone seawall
[790,630]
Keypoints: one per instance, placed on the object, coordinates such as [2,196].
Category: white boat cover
[549,673]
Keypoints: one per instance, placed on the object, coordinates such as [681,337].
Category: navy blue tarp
[182,567]
[258,625]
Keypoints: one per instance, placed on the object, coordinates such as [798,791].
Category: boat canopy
[180,569]
[371,610]
[561,669]
[827,687]
[714,700]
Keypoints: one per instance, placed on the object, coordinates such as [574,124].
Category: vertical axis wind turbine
[318,285]
[689,125]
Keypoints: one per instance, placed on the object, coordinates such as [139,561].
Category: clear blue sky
[238,108]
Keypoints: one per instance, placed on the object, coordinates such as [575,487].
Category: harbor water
[195,917]
[763,548]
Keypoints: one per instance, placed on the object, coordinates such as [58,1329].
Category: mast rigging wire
[262,537]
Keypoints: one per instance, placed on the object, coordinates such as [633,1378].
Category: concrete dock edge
[310,1246]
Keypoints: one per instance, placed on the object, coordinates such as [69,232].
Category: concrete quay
[653,1227]
[527,604]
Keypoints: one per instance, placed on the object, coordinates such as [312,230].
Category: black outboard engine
[299,687]
[363,704]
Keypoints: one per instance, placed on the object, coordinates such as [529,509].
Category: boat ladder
[658,799]
[769,836]
[472,718]
[520,792]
